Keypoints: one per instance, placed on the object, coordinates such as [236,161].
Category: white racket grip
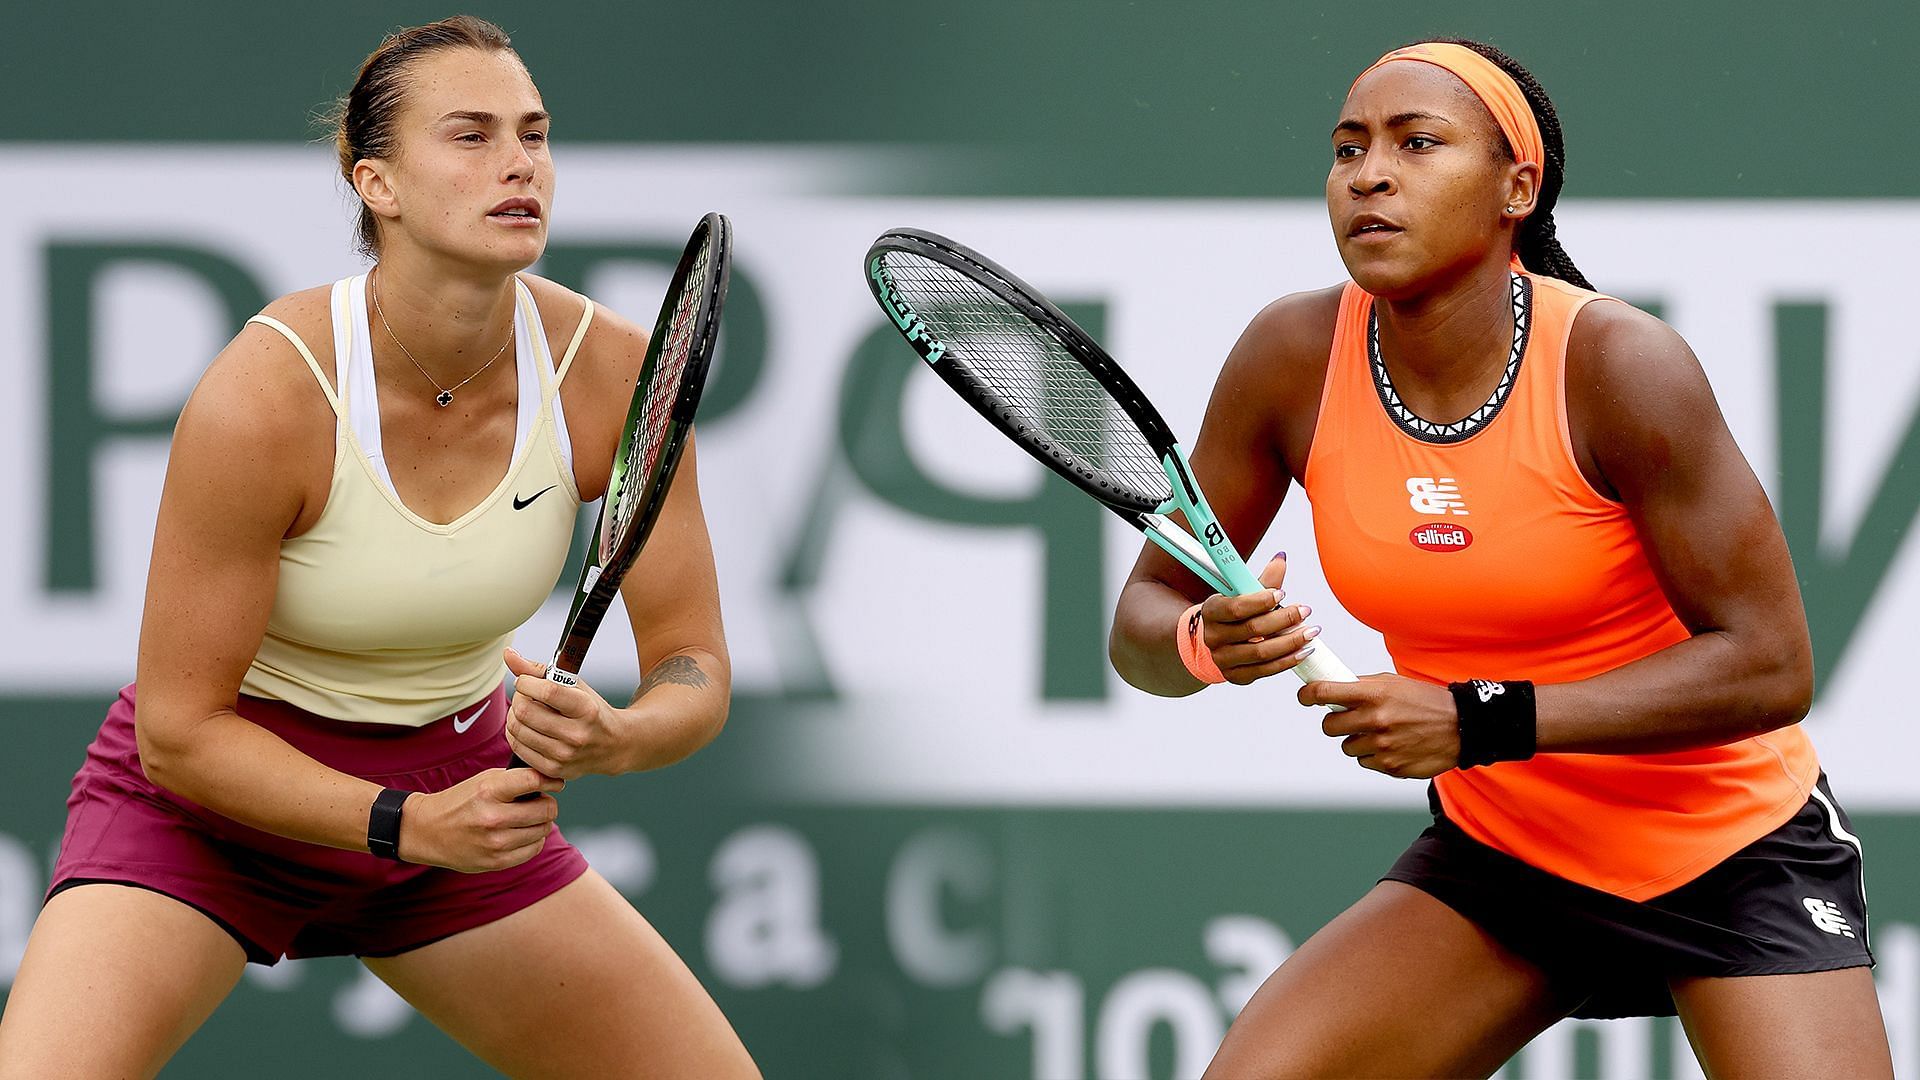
[1323,666]
[568,678]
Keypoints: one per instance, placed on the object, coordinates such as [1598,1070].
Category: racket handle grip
[514,762]
[1323,666]
[564,678]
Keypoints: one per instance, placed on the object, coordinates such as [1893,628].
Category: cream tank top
[383,617]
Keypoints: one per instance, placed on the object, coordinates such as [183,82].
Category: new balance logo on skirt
[1826,916]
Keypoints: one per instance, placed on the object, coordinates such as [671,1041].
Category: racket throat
[1232,576]
[1178,543]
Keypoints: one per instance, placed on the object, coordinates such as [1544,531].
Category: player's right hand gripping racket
[1047,385]
[658,422]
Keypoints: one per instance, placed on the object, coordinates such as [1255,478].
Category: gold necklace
[445,397]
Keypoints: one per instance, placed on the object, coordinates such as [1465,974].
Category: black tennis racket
[659,420]
[1048,386]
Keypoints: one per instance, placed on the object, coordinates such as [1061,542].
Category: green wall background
[1068,97]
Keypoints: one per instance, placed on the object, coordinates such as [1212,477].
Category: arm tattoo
[674,669]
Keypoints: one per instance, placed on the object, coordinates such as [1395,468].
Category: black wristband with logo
[1497,721]
[383,823]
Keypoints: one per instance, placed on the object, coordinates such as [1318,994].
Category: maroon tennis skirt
[281,897]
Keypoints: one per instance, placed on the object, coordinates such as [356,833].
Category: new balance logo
[1826,916]
[1487,690]
[1435,495]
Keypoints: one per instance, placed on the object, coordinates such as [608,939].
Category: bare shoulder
[1281,357]
[257,433]
[1622,358]
[1295,329]
[1303,312]
[1267,397]
[259,386]
[1639,405]
[610,336]
[1614,332]
[560,309]
[308,313]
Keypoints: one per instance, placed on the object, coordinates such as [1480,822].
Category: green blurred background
[1070,97]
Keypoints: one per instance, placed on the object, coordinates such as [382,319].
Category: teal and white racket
[1046,384]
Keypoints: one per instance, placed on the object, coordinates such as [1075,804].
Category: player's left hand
[1392,724]
[564,731]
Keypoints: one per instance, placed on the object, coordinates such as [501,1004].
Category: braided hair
[1536,244]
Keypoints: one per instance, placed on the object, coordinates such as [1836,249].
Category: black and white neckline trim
[1466,427]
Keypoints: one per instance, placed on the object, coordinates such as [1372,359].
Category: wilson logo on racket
[1442,536]
[910,323]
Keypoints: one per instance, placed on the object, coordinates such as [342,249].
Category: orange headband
[1494,87]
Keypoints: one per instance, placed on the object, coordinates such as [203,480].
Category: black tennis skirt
[1791,901]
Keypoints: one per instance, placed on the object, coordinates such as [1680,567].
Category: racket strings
[1033,376]
[663,389]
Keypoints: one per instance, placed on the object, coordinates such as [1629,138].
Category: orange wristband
[1193,651]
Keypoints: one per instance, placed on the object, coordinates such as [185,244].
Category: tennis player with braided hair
[1601,656]
[314,761]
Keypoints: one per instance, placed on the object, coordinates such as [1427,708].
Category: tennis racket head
[1025,366]
[658,424]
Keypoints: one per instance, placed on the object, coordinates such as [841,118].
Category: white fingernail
[1305,610]
[1312,632]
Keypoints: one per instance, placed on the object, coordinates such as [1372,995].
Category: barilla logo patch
[1440,536]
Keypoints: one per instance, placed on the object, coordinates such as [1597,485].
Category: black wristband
[1497,721]
[383,823]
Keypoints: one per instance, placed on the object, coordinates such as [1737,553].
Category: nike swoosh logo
[461,726]
[521,504]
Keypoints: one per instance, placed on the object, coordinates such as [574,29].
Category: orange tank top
[1479,550]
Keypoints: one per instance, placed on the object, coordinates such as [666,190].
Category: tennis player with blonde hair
[313,762]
